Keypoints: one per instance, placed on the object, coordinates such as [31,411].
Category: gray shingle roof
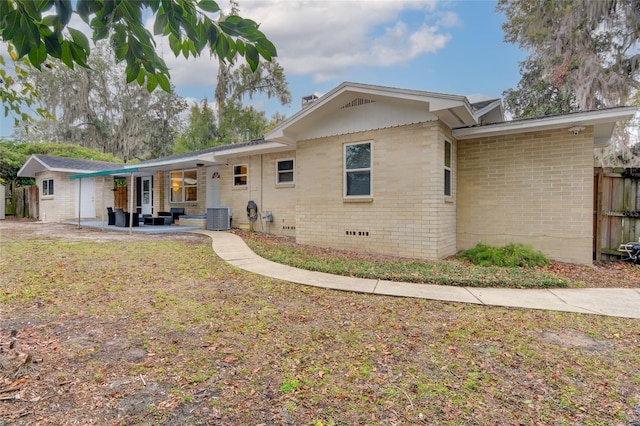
[76,163]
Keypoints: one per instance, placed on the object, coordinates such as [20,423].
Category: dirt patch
[574,339]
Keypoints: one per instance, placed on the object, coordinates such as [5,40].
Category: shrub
[511,255]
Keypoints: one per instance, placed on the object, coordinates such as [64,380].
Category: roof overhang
[603,122]
[150,167]
[35,165]
[211,158]
[454,110]
[241,151]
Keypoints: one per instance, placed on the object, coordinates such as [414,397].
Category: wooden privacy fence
[616,210]
[120,197]
[25,201]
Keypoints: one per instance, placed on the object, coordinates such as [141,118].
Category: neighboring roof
[454,110]
[603,121]
[39,163]
[477,106]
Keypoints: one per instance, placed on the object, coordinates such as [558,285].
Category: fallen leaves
[222,346]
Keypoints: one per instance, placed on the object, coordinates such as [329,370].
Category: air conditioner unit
[219,219]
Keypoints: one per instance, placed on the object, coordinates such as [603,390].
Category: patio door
[146,195]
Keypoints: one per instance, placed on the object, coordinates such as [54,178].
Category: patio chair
[122,218]
[172,215]
[111,215]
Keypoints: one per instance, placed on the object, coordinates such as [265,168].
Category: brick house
[401,172]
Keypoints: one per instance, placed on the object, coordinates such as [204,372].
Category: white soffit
[603,122]
[242,151]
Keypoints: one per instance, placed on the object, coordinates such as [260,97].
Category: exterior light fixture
[576,130]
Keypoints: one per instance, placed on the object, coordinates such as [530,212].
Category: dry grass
[160,331]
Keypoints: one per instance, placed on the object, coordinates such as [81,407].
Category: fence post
[597,205]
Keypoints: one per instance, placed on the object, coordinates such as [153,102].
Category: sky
[445,46]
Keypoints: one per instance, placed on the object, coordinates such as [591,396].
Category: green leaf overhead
[209,6]
[191,26]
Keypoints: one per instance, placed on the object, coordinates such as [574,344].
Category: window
[47,187]
[357,170]
[284,171]
[184,186]
[240,175]
[447,169]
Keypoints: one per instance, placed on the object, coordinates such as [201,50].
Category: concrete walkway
[615,302]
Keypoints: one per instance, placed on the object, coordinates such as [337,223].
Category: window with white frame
[285,171]
[47,187]
[184,186]
[357,169]
[447,169]
[240,174]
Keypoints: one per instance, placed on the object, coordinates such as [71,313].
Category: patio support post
[131,205]
[79,201]
[104,183]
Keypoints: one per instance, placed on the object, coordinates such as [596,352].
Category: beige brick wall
[408,214]
[280,200]
[533,188]
[60,207]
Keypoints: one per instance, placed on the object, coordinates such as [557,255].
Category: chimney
[308,100]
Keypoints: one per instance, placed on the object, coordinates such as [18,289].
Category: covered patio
[131,172]
[141,229]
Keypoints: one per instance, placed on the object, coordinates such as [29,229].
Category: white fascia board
[35,165]
[589,118]
[29,169]
[262,148]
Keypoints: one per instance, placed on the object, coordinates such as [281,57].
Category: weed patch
[512,255]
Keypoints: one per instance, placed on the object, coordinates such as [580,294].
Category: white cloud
[327,39]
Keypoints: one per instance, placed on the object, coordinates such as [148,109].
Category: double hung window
[284,171]
[357,170]
[47,187]
[447,169]
[240,174]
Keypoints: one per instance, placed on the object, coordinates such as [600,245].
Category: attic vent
[357,102]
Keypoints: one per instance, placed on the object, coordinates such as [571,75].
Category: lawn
[158,330]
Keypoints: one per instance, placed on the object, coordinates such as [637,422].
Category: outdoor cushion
[111,215]
[122,218]
[172,215]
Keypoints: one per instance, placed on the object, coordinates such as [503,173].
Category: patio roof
[114,172]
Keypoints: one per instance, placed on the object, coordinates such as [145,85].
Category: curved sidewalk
[615,302]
